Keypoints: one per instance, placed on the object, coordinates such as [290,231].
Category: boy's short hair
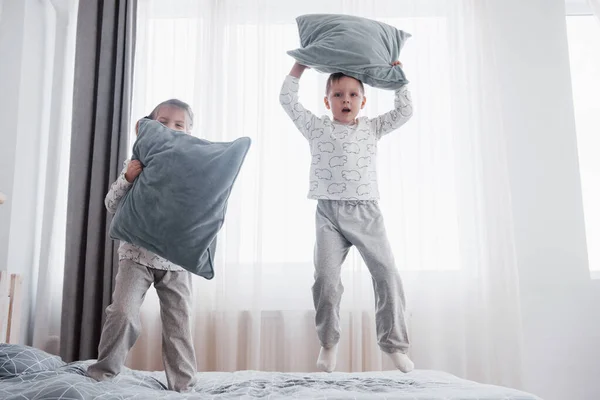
[179,104]
[333,78]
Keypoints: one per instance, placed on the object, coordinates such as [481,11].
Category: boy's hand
[396,63]
[297,70]
[134,168]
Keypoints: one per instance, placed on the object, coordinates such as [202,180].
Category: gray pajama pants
[339,225]
[122,326]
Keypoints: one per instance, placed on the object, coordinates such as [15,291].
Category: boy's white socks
[327,359]
[401,361]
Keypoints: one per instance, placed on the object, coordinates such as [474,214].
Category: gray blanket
[27,373]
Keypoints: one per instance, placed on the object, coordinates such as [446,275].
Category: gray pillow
[17,359]
[177,205]
[358,47]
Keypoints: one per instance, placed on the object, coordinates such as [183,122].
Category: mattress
[27,373]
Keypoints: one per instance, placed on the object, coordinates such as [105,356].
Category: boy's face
[345,99]
[172,117]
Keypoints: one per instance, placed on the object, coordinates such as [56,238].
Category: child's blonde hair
[179,104]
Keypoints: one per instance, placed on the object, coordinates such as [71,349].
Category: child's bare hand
[297,70]
[134,168]
[396,63]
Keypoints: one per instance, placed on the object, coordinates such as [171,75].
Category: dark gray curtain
[101,112]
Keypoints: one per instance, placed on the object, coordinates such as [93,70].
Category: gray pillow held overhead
[177,205]
[358,47]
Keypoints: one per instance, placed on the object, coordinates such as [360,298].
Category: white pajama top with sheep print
[344,157]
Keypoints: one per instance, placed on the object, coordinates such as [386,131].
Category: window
[584,42]
[230,72]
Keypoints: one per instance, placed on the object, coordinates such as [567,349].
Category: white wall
[560,302]
[21,46]
[11,43]
[33,151]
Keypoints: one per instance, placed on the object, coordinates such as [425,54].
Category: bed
[28,373]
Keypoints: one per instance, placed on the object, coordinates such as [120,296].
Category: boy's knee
[322,279]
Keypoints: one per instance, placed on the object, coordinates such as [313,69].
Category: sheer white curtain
[584,38]
[57,62]
[443,179]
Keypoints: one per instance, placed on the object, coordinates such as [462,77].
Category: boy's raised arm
[402,112]
[304,120]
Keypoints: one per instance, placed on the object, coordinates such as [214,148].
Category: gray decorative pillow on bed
[358,47]
[177,205]
[17,359]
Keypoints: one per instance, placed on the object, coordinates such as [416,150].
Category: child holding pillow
[140,268]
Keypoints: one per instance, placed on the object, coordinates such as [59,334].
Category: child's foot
[98,374]
[401,361]
[327,358]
